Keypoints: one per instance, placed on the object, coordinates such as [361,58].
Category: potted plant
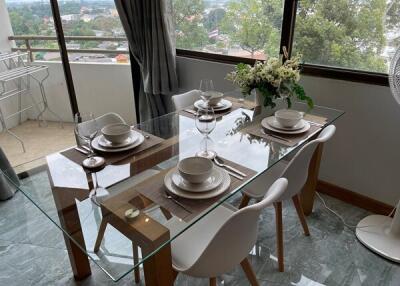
[272,79]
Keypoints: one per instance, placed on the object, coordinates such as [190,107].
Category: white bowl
[288,117]
[116,133]
[215,98]
[195,170]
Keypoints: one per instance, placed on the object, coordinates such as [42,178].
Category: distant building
[88,17]
[70,17]
[98,33]
[122,59]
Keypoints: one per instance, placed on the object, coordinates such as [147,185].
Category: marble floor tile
[32,251]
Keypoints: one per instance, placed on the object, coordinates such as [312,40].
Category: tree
[345,33]
[190,32]
[254,25]
[214,18]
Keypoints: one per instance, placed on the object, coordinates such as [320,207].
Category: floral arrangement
[273,79]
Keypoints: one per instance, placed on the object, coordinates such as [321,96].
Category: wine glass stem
[91,148]
[205,143]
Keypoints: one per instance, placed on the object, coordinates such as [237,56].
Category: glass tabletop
[59,186]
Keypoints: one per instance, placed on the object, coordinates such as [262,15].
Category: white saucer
[264,123]
[226,182]
[212,182]
[224,104]
[98,147]
[128,141]
[275,124]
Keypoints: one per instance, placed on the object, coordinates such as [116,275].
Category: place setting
[193,185]
[286,126]
[210,99]
[197,181]
[106,144]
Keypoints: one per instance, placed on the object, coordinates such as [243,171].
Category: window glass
[355,34]
[244,28]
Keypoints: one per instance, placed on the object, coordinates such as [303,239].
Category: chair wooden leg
[248,270]
[245,201]
[300,213]
[279,235]
[213,281]
[100,235]
[136,261]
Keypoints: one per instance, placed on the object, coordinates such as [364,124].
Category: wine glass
[98,193]
[86,128]
[207,89]
[205,123]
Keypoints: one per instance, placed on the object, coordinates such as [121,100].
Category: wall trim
[353,198]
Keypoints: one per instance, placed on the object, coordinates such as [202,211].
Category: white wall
[364,155]
[99,87]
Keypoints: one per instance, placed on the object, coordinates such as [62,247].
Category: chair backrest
[186,99]
[235,239]
[103,120]
[297,170]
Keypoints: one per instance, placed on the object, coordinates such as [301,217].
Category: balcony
[101,87]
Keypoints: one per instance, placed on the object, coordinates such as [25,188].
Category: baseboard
[353,198]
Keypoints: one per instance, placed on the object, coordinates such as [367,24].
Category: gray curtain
[7,189]
[149,29]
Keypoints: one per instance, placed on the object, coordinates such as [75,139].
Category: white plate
[212,182]
[264,123]
[274,123]
[98,147]
[226,182]
[108,144]
[223,105]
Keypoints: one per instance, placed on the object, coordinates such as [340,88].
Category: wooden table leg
[309,189]
[69,220]
[158,268]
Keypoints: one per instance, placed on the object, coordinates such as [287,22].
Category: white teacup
[116,133]
[215,98]
[195,170]
[288,117]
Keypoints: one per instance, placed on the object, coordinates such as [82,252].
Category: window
[243,28]
[97,19]
[354,34]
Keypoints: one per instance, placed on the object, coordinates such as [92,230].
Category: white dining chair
[296,171]
[186,99]
[101,121]
[220,240]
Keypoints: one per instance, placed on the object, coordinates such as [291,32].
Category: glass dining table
[118,242]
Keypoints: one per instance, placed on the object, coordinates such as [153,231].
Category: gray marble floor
[32,250]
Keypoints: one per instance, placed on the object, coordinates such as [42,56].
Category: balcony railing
[27,38]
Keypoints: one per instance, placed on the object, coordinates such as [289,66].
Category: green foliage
[213,20]
[254,25]
[344,33]
[190,32]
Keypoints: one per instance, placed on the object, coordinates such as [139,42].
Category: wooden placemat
[154,190]
[316,123]
[112,158]
[236,104]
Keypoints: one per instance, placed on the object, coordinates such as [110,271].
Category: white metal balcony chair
[103,120]
[296,171]
[221,240]
[186,99]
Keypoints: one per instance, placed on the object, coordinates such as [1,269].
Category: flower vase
[259,99]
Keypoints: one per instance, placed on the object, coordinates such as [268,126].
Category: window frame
[287,32]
